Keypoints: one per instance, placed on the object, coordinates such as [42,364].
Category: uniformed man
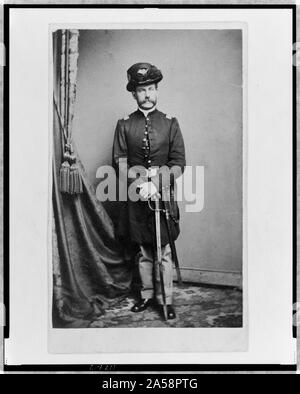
[152,140]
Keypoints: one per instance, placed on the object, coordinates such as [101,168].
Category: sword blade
[159,256]
[167,210]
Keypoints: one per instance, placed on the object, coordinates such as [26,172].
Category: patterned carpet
[196,306]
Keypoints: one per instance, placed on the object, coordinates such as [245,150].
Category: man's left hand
[148,190]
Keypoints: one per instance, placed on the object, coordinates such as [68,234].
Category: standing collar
[146,112]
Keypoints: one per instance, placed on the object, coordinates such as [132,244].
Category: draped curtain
[89,270]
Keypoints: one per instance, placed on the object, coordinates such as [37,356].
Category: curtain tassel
[70,178]
[65,177]
[75,179]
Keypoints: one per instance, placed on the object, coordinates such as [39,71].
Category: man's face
[146,96]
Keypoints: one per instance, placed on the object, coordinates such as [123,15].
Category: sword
[166,203]
[159,255]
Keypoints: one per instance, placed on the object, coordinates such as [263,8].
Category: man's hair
[156,86]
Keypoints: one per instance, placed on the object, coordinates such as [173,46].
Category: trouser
[151,286]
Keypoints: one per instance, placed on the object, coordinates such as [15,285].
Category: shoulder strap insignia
[168,116]
[126,117]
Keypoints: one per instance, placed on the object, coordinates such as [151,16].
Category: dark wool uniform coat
[152,141]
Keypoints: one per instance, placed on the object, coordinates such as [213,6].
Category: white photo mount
[269,186]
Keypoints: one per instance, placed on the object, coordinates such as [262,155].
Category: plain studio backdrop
[201,87]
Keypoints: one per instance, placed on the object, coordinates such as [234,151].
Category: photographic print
[147,187]
[151,187]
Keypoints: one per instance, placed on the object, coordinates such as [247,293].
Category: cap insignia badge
[142,71]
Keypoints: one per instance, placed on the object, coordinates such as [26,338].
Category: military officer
[151,140]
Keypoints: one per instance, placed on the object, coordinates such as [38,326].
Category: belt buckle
[152,172]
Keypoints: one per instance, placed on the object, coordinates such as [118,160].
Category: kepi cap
[141,74]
